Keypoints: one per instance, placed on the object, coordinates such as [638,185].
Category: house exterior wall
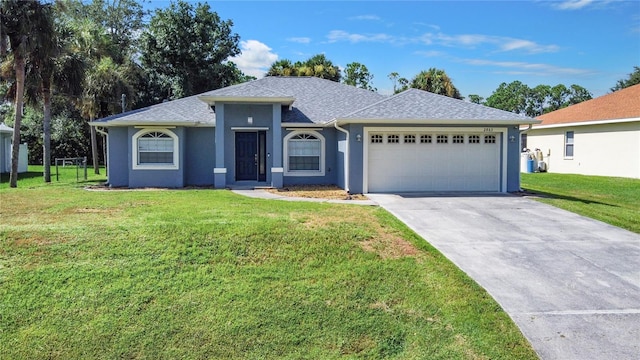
[119,157]
[330,160]
[513,159]
[5,152]
[511,176]
[199,157]
[236,116]
[158,178]
[603,150]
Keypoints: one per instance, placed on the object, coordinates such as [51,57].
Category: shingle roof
[622,104]
[316,101]
[188,110]
[414,104]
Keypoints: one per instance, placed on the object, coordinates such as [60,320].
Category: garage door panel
[396,167]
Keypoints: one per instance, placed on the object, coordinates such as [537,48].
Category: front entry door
[251,156]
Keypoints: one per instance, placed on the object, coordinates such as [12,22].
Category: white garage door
[433,161]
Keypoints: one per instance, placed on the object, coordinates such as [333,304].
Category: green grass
[207,274]
[609,199]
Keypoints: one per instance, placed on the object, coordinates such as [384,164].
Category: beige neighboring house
[596,137]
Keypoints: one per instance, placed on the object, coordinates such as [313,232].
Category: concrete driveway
[570,283]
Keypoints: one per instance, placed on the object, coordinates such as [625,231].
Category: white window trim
[573,144]
[285,152]
[134,151]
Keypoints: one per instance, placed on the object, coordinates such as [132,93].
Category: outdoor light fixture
[250,120]
[358,138]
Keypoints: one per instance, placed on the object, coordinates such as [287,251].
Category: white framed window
[442,139]
[304,153]
[425,139]
[458,139]
[409,139]
[376,139]
[393,139]
[474,139]
[568,144]
[155,149]
[489,139]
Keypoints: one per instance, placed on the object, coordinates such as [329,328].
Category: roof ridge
[387,98]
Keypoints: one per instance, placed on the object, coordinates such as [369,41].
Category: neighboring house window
[376,139]
[458,139]
[489,139]
[474,139]
[523,141]
[442,139]
[410,139]
[393,139]
[425,139]
[568,144]
[155,149]
[304,154]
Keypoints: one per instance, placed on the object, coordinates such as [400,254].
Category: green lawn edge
[209,274]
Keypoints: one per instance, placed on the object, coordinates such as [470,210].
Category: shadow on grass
[4,177]
[548,195]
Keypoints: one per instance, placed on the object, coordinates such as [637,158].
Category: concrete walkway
[570,283]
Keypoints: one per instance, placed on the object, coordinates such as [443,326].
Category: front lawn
[207,274]
[613,200]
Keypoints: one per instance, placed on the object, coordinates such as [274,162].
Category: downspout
[346,157]
[106,139]
[520,147]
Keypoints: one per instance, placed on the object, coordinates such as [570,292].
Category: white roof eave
[475,122]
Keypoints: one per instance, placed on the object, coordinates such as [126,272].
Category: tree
[18,21]
[282,67]
[317,65]
[519,98]
[358,75]
[537,100]
[43,57]
[632,79]
[104,85]
[578,94]
[187,47]
[435,81]
[509,97]
[476,99]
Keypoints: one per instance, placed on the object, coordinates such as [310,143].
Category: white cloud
[432,53]
[526,45]
[501,43]
[572,4]
[255,58]
[300,40]
[365,17]
[527,68]
[340,35]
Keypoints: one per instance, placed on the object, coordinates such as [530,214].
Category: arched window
[304,154]
[155,149]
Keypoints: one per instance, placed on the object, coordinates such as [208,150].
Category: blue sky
[480,44]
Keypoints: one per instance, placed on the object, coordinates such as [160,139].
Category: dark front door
[246,156]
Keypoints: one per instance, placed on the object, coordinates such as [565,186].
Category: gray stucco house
[280,131]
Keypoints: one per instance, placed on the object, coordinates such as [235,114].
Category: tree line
[65,63]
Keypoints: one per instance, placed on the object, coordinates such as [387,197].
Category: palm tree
[282,67]
[43,60]
[104,84]
[436,81]
[17,21]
